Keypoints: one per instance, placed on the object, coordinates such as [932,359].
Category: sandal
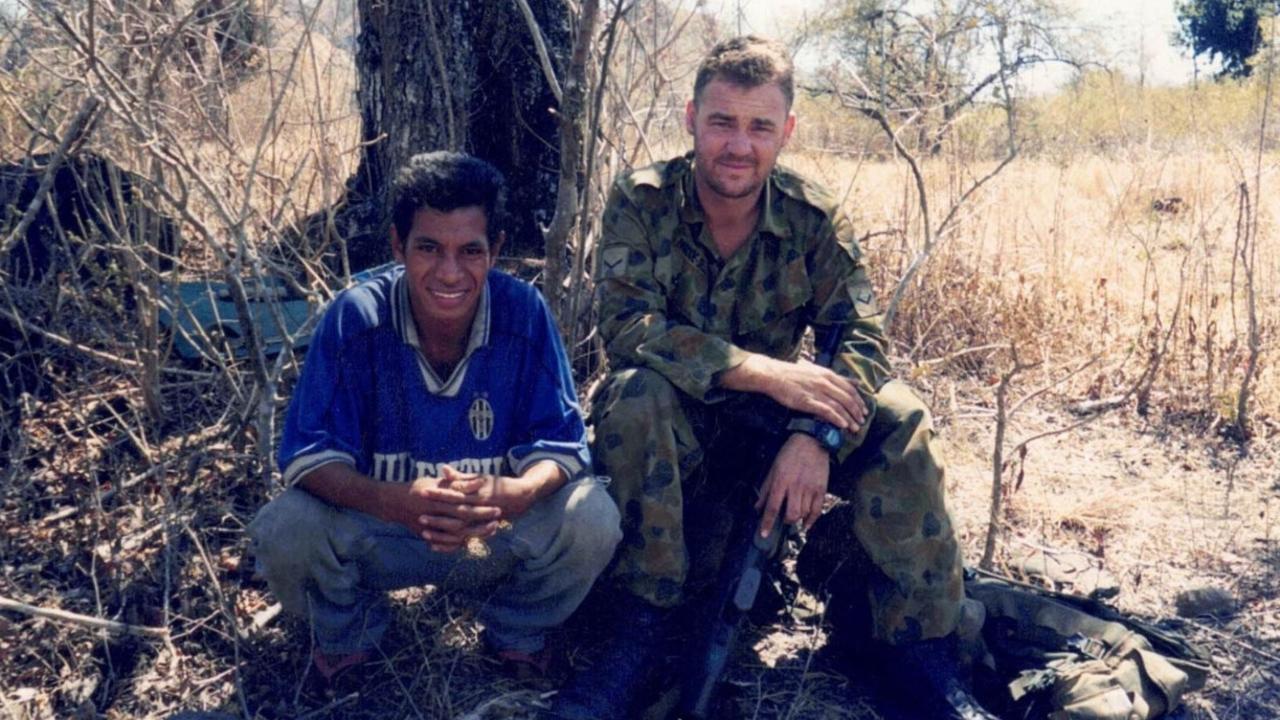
[331,665]
[524,665]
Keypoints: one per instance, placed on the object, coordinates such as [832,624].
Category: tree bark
[458,75]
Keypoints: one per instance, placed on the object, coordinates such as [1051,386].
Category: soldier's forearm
[693,361]
[751,375]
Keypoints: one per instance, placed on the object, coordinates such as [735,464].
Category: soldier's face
[446,256]
[737,135]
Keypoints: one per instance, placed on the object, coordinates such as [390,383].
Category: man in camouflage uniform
[711,267]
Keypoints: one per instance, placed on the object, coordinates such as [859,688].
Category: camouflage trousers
[677,464]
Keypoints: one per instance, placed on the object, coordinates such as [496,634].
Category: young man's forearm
[341,485]
[544,477]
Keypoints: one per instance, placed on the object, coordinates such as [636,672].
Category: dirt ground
[1166,505]
[1162,503]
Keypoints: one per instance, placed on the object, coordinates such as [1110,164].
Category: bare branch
[540,45]
[997,456]
[568,192]
[72,135]
[63,616]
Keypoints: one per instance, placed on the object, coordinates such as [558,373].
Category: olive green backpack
[1072,658]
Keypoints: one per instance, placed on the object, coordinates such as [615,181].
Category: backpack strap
[1094,662]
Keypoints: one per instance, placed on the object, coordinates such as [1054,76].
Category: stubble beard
[724,190]
[705,168]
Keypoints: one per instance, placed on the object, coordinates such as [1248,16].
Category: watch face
[830,438]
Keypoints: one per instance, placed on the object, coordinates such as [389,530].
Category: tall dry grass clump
[1130,261]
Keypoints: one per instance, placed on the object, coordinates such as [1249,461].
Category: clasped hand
[450,509]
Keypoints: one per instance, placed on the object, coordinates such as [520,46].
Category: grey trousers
[335,566]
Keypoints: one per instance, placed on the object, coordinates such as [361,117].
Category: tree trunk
[459,75]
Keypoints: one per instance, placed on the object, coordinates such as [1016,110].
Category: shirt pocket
[769,315]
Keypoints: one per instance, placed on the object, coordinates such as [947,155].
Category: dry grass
[1071,259]
[310,142]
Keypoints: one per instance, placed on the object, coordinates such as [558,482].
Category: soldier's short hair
[446,181]
[749,61]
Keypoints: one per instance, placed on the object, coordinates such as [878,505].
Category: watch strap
[827,435]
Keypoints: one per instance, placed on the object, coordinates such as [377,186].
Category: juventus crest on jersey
[480,416]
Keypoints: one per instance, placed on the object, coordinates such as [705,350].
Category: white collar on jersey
[402,319]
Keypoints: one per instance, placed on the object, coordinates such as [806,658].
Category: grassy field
[1073,260]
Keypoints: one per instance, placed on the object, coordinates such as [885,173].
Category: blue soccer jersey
[368,398]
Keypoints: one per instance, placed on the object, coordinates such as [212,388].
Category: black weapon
[745,569]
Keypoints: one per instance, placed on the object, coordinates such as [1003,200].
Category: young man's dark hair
[749,61]
[446,181]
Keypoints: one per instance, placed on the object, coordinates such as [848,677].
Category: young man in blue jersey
[436,410]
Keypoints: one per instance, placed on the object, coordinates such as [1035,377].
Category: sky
[1127,30]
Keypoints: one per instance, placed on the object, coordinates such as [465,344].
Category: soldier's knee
[905,431]
[899,407]
[633,407]
[636,392]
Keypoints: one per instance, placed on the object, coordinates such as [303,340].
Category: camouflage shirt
[670,303]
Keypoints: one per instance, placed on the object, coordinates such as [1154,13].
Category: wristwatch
[827,435]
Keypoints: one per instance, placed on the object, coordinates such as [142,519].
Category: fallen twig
[1089,407]
[263,618]
[111,626]
[69,511]
[1242,643]
[517,701]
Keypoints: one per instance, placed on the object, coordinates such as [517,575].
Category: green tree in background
[1229,30]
